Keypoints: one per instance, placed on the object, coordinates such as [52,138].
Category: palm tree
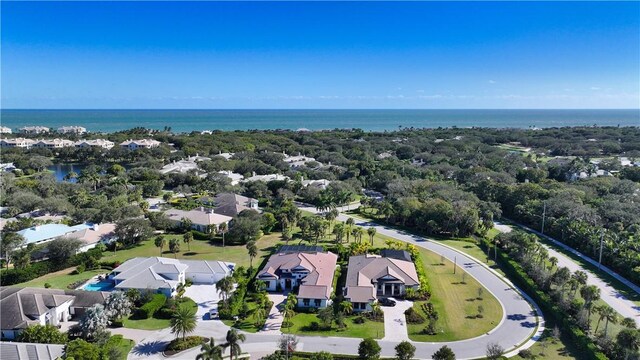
[209,351]
[187,238]
[346,307]
[70,175]
[610,315]
[222,229]
[629,340]
[372,232]
[160,242]
[599,309]
[225,286]
[349,223]
[628,323]
[233,343]
[357,233]
[338,231]
[258,314]
[183,321]
[174,247]
[91,177]
[253,252]
[590,293]
[553,261]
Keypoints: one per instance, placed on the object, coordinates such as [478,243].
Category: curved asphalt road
[518,326]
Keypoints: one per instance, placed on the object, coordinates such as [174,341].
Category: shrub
[79,269]
[189,342]
[413,317]
[151,307]
[359,320]
[165,313]
[76,284]
[117,323]
[47,285]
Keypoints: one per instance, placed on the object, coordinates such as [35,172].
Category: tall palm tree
[225,286]
[187,238]
[372,232]
[252,249]
[174,247]
[553,261]
[258,315]
[160,242]
[610,316]
[183,321]
[349,225]
[590,293]
[209,351]
[233,343]
[222,229]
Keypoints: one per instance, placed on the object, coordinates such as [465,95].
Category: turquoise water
[376,120]
[99,286]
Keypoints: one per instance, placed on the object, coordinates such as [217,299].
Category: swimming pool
[99,286]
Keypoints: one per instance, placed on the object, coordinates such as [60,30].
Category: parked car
[387,302]
[213,313]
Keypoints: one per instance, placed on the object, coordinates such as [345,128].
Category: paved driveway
[274,320]
[395,323]
[205,296]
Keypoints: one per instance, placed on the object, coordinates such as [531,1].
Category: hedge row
[515,272]
[308,355]
[422,275]
[156,303]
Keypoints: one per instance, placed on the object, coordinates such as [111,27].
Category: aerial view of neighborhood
[320,180]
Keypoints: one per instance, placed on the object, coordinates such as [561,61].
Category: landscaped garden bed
[179,345]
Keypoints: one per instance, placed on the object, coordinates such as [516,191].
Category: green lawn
[247,324]
[302,321]
[553,349]
[455,303]
[126,346]
[60,279]
[199,249]
[153,323]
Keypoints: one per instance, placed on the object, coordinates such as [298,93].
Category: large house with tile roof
[311,273]
[22,307]
[164,275]
[372,276]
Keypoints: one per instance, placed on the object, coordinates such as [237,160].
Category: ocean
[372,120]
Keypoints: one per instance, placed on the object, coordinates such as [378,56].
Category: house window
[305,302]
[317,302]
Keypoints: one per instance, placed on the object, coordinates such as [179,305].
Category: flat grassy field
[456,303]
[60,279]
[302,321]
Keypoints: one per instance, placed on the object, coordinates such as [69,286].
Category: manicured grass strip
[60,279]
[301,322]
[153,323]
[456,303]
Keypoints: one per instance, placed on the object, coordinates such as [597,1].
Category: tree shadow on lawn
[190,253]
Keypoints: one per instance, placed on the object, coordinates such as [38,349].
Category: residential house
[100,143]
[34,130]
[267,178]
[72,130]
[52,143]
[225,155]
[140,144]
[164,275]
[94,235]
[229,204]
[20,351]
[235,177]
[298,161]
[5,130]
[311,273]
[184,165]
[43,233]
[16,143]
[22,307]
[372,276]
[203,220]
[320,184]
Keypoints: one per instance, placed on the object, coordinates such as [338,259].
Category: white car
[213,313]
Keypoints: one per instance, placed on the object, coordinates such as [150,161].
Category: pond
[61,170]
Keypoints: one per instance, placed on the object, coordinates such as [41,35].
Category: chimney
[96,227]
[253,173]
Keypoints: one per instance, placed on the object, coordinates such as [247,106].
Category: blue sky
[320,55]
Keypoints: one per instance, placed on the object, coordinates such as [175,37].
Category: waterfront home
[16,143]
[164,275]
[298,161]
[229,204]
[52,143]
[140,144]
[371,276]
[34,130]
[22,307]
[100,143]
[5,130]
[72,130]
[310,272]
[202,219]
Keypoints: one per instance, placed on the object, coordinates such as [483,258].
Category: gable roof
[31,351]
[21,306]
[198,216]
[365,270]
[94,234]
[229,204]
[49,231]
[320,265]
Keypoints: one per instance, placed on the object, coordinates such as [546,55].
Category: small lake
[61,170]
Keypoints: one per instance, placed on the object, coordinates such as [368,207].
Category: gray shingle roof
[22,351]
[365,270]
